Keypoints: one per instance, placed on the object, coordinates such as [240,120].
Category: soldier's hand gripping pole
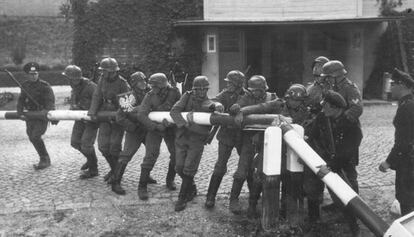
[21,87]
[344,192]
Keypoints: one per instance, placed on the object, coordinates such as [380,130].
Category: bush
[55,78]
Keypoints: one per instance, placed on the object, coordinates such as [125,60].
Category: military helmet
[158,80]
[137,76]
[109,64]
[257,82]
[321,59]
[333,68]
[201,82]
[31,67]
[72,72]
[296,92]
[235,77]
[334,98]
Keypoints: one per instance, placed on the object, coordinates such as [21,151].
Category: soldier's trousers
[133,141]
[189,150]
[83,137]
[110,139]
[245,165]
[152,147]
[35,129]
[224,153]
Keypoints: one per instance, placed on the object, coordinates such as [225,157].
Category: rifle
[22,88]
[172,80]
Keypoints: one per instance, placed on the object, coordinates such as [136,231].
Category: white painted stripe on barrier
[308,155]
[68,115]
[340,187]
[3,114]
[159,116]
[199,117]
[272,153]
[293,163]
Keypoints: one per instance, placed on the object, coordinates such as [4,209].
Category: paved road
[58,187]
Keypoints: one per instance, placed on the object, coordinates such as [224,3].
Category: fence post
[272,150]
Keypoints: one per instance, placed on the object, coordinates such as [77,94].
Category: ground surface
[54,202]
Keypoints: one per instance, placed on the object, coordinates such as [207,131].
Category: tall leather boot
[192,191]
[142,185]
[119,172]
[313,210]
[92,166]
[44,162]
[170,178]
[236,188]
[254,195]
[182,196]
[212,190]
[111,162]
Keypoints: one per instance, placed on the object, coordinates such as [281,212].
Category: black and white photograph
[227,118]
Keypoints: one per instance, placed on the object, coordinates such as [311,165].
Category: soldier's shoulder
[350,84]
[44,83]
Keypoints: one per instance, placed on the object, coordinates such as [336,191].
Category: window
[211,43]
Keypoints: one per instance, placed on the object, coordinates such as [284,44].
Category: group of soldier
[328,109]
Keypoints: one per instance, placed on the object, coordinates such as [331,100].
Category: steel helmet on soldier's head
[137,76]
[296,92]
[158,79]
[235,77]
[333,68]
[72,72]
[109,64]
[201,82]
[257,82]
[321,59]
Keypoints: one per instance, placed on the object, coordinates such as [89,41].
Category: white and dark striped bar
[345,193]
[272,157]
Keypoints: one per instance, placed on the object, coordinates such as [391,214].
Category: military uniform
[401,157]
[162,101]
[352,96]
[84,132]
[110,133]
[42,93]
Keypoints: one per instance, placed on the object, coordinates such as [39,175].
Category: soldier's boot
[311,225]
[212,190]
[182,196]
[44,162]
[142,185]
[236,188]
[92,165]
[119,172]
[112,164]
[254,196]
[170,178]
[192,191]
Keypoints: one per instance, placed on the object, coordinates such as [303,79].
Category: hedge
[55,78]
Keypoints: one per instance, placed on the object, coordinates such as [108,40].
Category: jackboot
[44,162]
[182,196]
[119,172]
[254,195]
[313,210]
[212,190]
[170,178]
[236,188]
[192,191]
[112,165]
[92,166]
[142,185]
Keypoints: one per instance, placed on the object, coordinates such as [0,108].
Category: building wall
[210,62]
[30,7]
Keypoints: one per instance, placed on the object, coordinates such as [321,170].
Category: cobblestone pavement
[59,187]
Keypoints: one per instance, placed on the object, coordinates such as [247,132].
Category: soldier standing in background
[401,157]
[228,137]
[318,85]
[191,137]
[135,132]
[161,98]
[83,132]
[105,98]
[36,95]
[256,94]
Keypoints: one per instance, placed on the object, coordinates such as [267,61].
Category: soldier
[318,85]
[161,98]
[256,94]
[228,137]
[191,137]
[83,132]
[104,98]
[135,132]
[401,157]
[36,95]
[336,139]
